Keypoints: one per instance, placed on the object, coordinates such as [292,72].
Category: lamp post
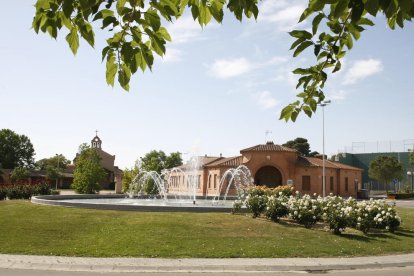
[411,173]
[323,104]
[57,175]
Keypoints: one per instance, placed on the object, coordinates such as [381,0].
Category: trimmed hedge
[24,191]
[402,195]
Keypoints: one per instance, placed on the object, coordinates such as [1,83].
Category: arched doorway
[268,176]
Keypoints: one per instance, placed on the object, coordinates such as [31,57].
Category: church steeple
[96,142]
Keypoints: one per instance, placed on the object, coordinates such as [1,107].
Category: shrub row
[24,191]
[336,212]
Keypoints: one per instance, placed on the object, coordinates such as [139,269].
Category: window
[198,181]
[331,183]
[209,182]
[346,184]
[215,181]
[306,183]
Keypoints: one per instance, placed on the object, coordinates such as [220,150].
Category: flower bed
[337,213]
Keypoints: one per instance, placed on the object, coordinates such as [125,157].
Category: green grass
[27,228]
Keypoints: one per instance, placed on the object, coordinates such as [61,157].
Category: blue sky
[217,90]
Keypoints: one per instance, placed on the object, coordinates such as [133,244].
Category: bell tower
[96,142]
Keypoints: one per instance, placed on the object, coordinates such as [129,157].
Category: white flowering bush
[376,214]
[276,207]
[338,213]
[305,210]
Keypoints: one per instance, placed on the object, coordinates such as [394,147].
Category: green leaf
[296,43]
[372,6]
[67,8]
[302,47]
[301,34]
[102,14]
[111,68]
[316,21]
[87,33]
[337,67]
[105,52]
[164,33]
[124,76]
[406,5]
[73,39]
[340,8]
[153,19]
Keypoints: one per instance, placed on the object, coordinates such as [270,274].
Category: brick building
[273,165]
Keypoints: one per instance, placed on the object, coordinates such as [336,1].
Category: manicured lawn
[26,228]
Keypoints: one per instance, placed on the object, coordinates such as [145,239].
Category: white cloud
[186,30]
[362,69]
[228,68]
[285,14]
[336,95]
[172,55]
[224,69]
[265,100]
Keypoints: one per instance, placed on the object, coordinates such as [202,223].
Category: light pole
[323,104]
[411,173]
[57,171]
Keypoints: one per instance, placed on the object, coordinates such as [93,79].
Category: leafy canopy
[54,166]
[15,150]
[88,171]
[385,168]
[137,33]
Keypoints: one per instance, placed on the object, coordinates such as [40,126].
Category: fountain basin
[121,202]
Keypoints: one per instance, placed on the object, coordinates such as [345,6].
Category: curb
[145,265]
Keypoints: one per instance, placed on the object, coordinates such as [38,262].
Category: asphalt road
[398,271]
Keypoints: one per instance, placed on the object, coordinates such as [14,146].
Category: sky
[217,90]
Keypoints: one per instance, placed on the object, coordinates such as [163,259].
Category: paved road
[53,265]
[398,271]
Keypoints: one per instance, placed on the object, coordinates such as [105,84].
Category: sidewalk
[54,263]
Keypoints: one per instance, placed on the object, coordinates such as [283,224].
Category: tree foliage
[385,169]
[137,33]
[301,145]
[128,175]
[15,150]
[54,166]
[345,20]
[158,161]
[88,171]
[19,174]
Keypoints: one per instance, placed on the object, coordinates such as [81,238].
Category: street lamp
[323,104]
[57,176]
[411,173]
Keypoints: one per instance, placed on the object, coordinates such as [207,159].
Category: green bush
[3,193]
[25,191]
[276,208]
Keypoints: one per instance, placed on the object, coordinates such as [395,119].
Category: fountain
[177,190]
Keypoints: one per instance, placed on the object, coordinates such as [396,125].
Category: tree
[54,166]
[299,144]
[19,174]
[158,161]
[15,150]
[88,171]
[138,34]
[129,175]
[385,169]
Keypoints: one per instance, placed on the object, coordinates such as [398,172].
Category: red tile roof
[317,162]
[269,146]
[227,162]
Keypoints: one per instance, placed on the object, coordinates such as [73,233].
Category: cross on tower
[96,131]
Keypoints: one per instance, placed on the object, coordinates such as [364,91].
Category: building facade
[271,165]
